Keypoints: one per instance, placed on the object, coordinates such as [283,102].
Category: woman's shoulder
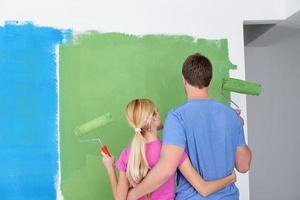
[123,158]
[125,151]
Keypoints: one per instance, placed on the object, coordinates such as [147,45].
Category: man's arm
[243,155]
[243,159]
[163,170]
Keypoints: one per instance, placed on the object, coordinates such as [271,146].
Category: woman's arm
[119,187]
[113,180]
[205,188]
[122,189]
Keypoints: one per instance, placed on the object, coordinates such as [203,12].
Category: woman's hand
[108,161]
[233,176]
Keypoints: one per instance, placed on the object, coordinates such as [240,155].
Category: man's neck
[196,93]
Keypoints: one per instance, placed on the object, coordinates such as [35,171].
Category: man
[209,131]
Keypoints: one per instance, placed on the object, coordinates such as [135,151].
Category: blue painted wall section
[28,111]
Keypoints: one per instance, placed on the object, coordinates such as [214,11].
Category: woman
[136,160]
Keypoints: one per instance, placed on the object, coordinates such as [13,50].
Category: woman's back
[166,191]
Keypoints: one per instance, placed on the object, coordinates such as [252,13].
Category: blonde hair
[139,113]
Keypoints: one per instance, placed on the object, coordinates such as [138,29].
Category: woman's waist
[164,192]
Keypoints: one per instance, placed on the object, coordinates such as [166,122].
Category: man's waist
[186,191]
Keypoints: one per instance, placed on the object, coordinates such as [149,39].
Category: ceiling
[264,34]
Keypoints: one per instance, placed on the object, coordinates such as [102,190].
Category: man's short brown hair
[197,70]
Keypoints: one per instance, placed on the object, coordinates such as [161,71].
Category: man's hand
[239,111]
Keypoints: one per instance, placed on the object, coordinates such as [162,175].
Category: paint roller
[240,86]
[94,124]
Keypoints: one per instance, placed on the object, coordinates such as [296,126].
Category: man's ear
[183,79]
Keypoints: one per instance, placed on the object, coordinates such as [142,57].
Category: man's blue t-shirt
[210,132]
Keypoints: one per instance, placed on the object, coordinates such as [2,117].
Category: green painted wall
[101,73]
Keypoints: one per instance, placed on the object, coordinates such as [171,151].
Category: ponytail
[138,113]
[137,167]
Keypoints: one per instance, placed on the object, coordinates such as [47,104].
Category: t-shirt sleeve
[121,164]
[183,157]
[241,136]
[173,132]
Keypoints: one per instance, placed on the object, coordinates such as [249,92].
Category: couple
[203,139]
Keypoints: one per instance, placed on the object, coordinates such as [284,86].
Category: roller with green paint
[240,86]
[94,124]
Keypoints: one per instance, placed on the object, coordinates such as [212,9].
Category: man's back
[210,132]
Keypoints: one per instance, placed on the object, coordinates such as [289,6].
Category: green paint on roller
[240,86]
[93,124]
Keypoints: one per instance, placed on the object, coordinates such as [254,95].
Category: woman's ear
[154,118]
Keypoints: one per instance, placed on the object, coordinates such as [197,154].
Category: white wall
[264,10]
[212,19]
[291,7]
[95,14]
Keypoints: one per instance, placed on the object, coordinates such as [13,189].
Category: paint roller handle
[104,149]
